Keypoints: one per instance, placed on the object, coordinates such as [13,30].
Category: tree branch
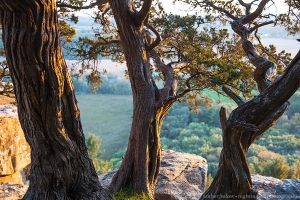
[143,13]
[265,69]
[256,13]
[64,5]
[220,10]
[187,82]
[260,25]
[246,5]
[297,4]
[236,98]
[223,118]
[158,38]
[170,85]
[269,122]
[103,6]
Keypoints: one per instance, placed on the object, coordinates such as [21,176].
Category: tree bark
[140,166]
[47,107]
[249,121]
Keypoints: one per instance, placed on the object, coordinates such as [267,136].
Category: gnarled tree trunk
[47,107]
[141,162]
[250,120]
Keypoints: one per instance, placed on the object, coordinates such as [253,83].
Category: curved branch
[236,98]
[260,25]
[158,37]
[170,86]
[246,5]
[265,69]
[187,82]
[269,122]
[220,10]
[256,13]
[143,13]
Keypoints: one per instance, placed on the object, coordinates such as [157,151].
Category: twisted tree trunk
[140,166]
[47,107]
[249,121]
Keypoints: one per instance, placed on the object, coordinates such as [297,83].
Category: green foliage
[295,170]
[67,32]
[94,80]
[93,144]
[200,134]
[214,58]
[109,85]
[208,181]
[276,167]
[128,194]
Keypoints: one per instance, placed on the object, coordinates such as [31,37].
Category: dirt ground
[7,99]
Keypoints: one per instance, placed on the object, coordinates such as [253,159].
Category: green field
[109,117]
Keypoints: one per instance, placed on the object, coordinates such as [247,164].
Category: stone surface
[270,188]
[14,150]
[182,176]
[12,191]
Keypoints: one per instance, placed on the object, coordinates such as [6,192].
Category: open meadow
[109,117]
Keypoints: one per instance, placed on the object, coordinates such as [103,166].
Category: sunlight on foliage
[93,144]
[128,194]
[67,32]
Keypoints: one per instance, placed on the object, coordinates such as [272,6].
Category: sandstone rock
[14,150]
[270,188]
[12,191]
[182,176]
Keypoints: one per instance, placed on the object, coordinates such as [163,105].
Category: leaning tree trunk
[47,107]
[249,121]
[140,165]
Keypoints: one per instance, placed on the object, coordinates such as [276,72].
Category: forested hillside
[276,153]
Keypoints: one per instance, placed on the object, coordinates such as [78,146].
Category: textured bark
[250,120]
[140,165]
[47,107]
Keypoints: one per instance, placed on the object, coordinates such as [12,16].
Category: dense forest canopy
[188,54]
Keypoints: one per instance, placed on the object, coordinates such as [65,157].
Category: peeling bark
[47,107]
